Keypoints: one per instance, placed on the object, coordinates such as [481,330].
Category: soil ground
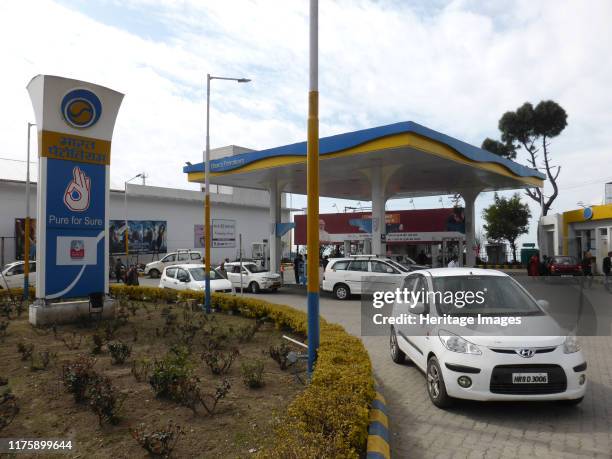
[243,423]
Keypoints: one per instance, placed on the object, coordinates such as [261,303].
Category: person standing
[587,269]
[534,265]
[607,269]
[118,269]
[296,268]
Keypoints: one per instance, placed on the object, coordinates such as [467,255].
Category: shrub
[219,362]
[158,443]
[8,408]
[96,344]
[189,394]
[119,352]
[104,399]
[252,373]
[280,355]
[141,369]
[169,372]
[42,360]
[77,375]
[26,350]
[246,333]
[3,328]
[72,341]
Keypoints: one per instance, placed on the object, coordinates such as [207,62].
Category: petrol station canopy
[415,161]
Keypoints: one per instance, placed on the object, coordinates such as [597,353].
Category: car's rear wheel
[435,385]
[397,355]
[342,292]
[254,287]
[154,273]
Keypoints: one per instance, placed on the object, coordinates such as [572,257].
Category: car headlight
[456,343]
[571,345]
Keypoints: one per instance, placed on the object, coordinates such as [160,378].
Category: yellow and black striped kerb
[378,432]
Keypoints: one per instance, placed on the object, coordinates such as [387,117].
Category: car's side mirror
[544,304]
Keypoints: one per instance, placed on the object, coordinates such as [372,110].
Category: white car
[254,277]
[13,274]
[346,276]
[192,277]
[487,366]
[180,257]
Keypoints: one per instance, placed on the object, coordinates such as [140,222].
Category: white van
[180,257]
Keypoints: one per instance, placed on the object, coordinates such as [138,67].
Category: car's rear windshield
[564,260]
[198,274]
[486,295]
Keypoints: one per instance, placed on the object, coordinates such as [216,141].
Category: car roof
[186,266]
[448,272]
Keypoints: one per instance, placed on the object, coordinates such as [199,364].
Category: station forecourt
[401,160]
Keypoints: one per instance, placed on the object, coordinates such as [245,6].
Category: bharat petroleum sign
[75,122]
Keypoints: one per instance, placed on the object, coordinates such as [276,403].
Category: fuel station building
[400,160]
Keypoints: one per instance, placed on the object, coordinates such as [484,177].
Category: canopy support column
[379,226]
[469,196]
[275,219]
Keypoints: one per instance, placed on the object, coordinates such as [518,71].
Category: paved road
[487,430]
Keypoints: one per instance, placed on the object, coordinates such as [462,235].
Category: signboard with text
[75,122]
[223,234]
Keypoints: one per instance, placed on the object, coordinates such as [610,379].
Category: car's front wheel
[397,355]
[154,273]
[341,292]
[254,287]
[435,385]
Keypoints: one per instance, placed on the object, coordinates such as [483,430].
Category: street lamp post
[26,239]
[207,263]
[125,211]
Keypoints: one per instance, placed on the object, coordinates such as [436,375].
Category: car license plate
[529,378]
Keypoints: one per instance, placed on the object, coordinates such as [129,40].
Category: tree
[531,129]
[506,219]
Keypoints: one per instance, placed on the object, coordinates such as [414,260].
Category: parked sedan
[564,266]
[192,277]
[468,364]
[254,277]
[12,275]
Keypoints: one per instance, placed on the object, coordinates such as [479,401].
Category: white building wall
[182,209]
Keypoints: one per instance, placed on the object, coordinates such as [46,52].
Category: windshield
[198,274]
[486,295]
[398,266]
[254,268]
[564,260]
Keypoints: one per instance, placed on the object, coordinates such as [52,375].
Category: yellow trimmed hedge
[329,419]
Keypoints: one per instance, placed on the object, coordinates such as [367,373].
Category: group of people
[128,276]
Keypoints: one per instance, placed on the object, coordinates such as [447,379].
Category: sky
[454,66]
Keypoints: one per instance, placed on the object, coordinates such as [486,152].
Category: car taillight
[552,269]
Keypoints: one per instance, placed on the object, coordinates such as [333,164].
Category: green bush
[252,374]
[77,375]
[119,352]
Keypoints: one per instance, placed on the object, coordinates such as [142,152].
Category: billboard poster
[20,238]
[421,225]
[75,122]
[144,236]
[223,234]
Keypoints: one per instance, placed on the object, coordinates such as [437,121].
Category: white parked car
[13,274]
[483,366]
[180,257]
[345,276]
[254,277]
[192,277]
